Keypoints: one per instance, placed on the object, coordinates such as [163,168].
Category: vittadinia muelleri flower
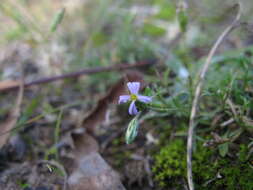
[134,96]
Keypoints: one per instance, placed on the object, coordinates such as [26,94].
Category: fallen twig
[118,67]
[200,82]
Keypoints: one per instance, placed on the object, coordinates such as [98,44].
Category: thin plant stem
[57,131]
[200,82]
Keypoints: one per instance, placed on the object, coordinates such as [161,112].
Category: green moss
[210,171]
[170,164]
[204,164]
[235,173]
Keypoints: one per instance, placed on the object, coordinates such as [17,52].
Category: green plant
[210,170]
[170,164]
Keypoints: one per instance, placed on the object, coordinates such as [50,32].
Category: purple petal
[124,99]
[144,99]
[132,109]
[133,87]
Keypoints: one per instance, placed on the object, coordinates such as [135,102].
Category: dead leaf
[8,84]
[84,144]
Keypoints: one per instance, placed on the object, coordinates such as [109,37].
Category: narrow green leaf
[57,19]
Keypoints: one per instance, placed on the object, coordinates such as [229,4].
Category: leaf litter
[83,161]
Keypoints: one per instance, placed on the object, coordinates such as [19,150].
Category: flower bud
[132,130]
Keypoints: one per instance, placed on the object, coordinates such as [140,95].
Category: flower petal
[133,87]
[132,109]
[144,99]
[124,99]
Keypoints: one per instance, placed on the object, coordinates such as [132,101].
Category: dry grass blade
[11,121]
[200,82]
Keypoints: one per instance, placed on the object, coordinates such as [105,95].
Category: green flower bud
[132,130]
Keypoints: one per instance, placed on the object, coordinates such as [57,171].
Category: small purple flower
[133,97]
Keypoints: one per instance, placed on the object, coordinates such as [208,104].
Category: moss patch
[210,171]
[170,165]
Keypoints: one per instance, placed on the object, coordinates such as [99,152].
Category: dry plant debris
[12,119]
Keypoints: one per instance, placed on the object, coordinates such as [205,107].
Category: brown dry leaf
[89,170]
[8,84]
[11,121]
[97,115]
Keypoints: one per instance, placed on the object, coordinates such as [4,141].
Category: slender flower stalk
[134,96]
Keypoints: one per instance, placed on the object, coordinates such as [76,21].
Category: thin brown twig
[200,82]
[76,74]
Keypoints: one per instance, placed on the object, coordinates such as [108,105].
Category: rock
[93,173]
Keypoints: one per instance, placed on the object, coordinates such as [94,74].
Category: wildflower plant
[159,105]
[133,97]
